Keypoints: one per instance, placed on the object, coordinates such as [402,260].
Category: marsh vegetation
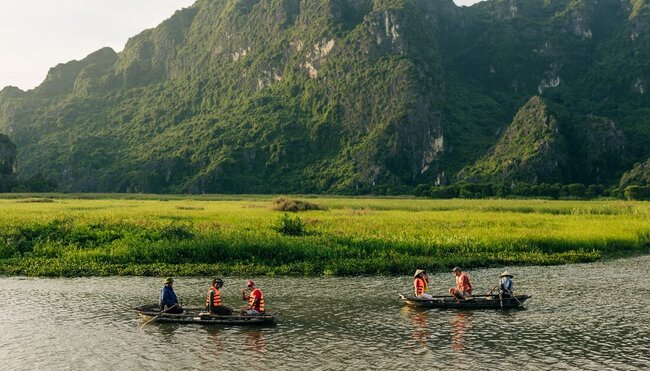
[238,235]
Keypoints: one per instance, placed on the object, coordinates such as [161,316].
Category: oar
[513,296]
[158,315]
[490,292]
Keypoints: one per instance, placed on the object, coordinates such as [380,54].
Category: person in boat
[463,289]
[255,300]
[213,299]
[506,286]
[168,300]
[421,284]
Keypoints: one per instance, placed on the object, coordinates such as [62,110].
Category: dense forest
[536,97]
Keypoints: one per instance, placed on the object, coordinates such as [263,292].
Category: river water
[588,317]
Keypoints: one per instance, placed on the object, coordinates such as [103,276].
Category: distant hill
[347,96]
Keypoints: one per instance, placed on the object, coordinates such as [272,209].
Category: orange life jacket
[463,284]
[259,306]
[216,299]
[420,286]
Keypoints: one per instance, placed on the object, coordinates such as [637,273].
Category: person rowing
[213,299]
[168,300]
[463,289]
[255,300]
[506,286]
[421,284]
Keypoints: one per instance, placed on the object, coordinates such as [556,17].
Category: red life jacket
[259,306]
[420,286]
[463,284]
[216,299]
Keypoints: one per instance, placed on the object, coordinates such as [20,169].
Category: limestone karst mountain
[342,96]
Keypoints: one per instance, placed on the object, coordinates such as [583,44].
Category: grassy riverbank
[238,235]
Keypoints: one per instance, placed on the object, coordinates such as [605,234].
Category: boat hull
[448,302]
[199,316]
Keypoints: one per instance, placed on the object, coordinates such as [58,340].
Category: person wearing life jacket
[255,300]
[506,286]
[213,299]
[421,284]
[168,300]
[463,289]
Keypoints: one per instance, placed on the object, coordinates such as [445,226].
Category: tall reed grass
[198,236]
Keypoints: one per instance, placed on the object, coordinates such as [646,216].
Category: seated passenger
[421,284]
[255,300]
[463,289]
[213,299]
[168,300]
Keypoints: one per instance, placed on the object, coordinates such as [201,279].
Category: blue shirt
[168,297]
[507,287]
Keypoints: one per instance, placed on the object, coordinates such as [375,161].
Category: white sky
[36,35]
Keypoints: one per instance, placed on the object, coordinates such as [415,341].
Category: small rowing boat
[476,302]
[198,315]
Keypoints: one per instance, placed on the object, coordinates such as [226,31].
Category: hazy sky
[38,34]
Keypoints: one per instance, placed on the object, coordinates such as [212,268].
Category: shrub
[289,205]
[637,192]
[422,190]
[576,190]
[290,226]
[176,232]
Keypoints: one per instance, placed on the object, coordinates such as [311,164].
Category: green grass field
[85,235]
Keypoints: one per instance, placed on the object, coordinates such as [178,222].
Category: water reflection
[357,324]
[214,344]
[461,323]
[165,331]
[421,331]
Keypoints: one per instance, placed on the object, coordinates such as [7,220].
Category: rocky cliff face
[542,146]
[531,150]
[7,156]
[639,175]
[346,96]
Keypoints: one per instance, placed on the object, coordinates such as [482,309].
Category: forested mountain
[347,96]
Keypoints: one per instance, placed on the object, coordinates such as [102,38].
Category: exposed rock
[530,151]
[346,95]
[598,150]
[639,175]
[78,76]
[7,156]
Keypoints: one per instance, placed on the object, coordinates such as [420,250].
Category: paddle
[514,297]
[158,315]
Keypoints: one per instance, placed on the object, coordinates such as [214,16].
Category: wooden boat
[477,302]
[198,315]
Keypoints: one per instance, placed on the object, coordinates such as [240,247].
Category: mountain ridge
[342,96]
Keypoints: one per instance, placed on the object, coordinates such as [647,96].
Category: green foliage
[639,175]
[289,226]
[349,96]
[498,190]
[144,236]
[290,205]
[637,193]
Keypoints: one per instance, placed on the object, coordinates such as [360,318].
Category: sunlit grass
[155,235]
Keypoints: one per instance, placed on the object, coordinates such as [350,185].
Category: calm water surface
[587,317]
